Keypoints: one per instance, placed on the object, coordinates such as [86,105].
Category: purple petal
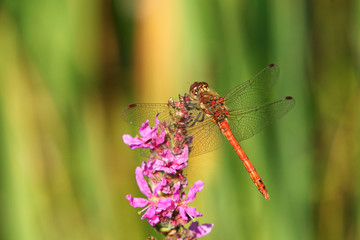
[198,186]
[127,139]
[166,189]
[188,211]
[150,213]
[169,170]
[154,220]
[170,163]
[201,230]
[158,165]
[133,142]
[165,204]
[183,157]
[167,214]
[178,167]
[180,161]
[143,185]
[176,193]
[182,213]
[191,211]
[146,167]
[161,138]
[151,216]
[167,156]
[159,186]
[146,132]
[137,202]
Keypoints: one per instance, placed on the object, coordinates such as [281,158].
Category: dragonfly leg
[202,115]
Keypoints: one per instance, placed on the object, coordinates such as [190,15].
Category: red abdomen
[225,129]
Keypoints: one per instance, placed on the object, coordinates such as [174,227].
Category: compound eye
[204,86]
[194,86]
[202,83]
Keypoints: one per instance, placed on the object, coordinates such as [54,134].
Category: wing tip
[290,99]
[274,67]
[132,105]
[124,113]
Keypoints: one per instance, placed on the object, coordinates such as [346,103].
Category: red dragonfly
[239,115]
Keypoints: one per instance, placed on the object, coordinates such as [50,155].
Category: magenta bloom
[170,163]
[183,207]
[150,137]
[155,205]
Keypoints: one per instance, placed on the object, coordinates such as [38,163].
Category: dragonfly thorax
[214,106]
[209,102]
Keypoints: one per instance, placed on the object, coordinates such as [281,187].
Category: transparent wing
[138,113]
[253,92]
[246,123]
[206,137]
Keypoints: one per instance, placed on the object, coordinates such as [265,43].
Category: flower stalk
[161,178]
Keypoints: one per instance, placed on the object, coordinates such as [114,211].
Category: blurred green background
[67,69]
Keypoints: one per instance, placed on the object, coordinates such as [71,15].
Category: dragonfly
[240,114]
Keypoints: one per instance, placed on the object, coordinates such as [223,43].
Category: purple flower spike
[161,179]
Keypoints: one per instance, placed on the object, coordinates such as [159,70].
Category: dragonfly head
[197,89]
